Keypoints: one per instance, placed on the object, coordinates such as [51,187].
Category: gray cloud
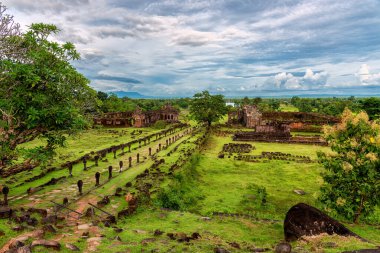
[180,47]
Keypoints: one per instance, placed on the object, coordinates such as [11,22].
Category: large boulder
[47,244]
[304,220]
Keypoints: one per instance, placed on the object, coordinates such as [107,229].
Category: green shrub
[160,124]
[182,193]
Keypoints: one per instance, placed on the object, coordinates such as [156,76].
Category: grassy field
[225,185]
[221,185]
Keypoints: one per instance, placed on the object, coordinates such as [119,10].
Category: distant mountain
[130,94]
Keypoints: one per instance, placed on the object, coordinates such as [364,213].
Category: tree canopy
[41,93]
[207,108]
[352,172]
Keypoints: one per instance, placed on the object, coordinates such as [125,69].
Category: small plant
[160,124]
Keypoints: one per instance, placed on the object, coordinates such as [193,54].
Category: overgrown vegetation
[41,93]
[352,177]
[181,193]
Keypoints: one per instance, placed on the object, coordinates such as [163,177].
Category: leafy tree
[372,107]
[246,101]
[274,104]
[207,108]
[102,95]
[41,93]
[10,47]
[352,172]
[257,100]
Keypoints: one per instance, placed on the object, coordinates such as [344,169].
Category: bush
[182,194]
[160,124]
[352,171]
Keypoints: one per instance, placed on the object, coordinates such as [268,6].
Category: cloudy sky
[237,48]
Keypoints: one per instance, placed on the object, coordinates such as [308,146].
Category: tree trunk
[359,212]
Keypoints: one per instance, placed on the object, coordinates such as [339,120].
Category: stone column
[70,167]
[138,158]
[109,172]
[150,151]
[5,191]
[97,178]
[80,185]
[130,161]
[121,166]
[114,153]
[96,160]
[159,147]
[84,163]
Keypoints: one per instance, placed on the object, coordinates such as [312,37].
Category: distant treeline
[112,103]
[331,106]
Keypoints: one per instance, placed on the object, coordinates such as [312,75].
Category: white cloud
[366,78]
[313,80]
[310,80]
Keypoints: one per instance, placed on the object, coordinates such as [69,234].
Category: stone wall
[138,118]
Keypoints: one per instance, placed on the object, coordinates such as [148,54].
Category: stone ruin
[237,148]
[251,117]
[138,118]
[267,156]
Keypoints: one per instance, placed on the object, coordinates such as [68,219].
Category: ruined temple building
[251,117]
[276,126]
[138,118]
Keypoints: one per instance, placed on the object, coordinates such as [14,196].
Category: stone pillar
[114,153]
[65,201]
[150,151]
[167,143]
[156,150]
[80,185]
[5,191]
[138,158]
[129,148]
[159,147]
[121,166]
[97,178]
[70,167]
[84,163]
[96,160]
[130,161]
[109,172]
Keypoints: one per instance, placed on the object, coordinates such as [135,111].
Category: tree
[246,101]
[102,95]
[207,108]
[352,172]
[10,47]
[372,107]
[274,104]
[41,93]
[257,100]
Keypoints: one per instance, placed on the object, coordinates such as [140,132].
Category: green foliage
[181,193]
[372,107]
[160,124]
[41,93]
[260,194]
[207,108]
[352,176]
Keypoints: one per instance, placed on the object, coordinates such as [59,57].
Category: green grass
[226,185]
[288,108]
